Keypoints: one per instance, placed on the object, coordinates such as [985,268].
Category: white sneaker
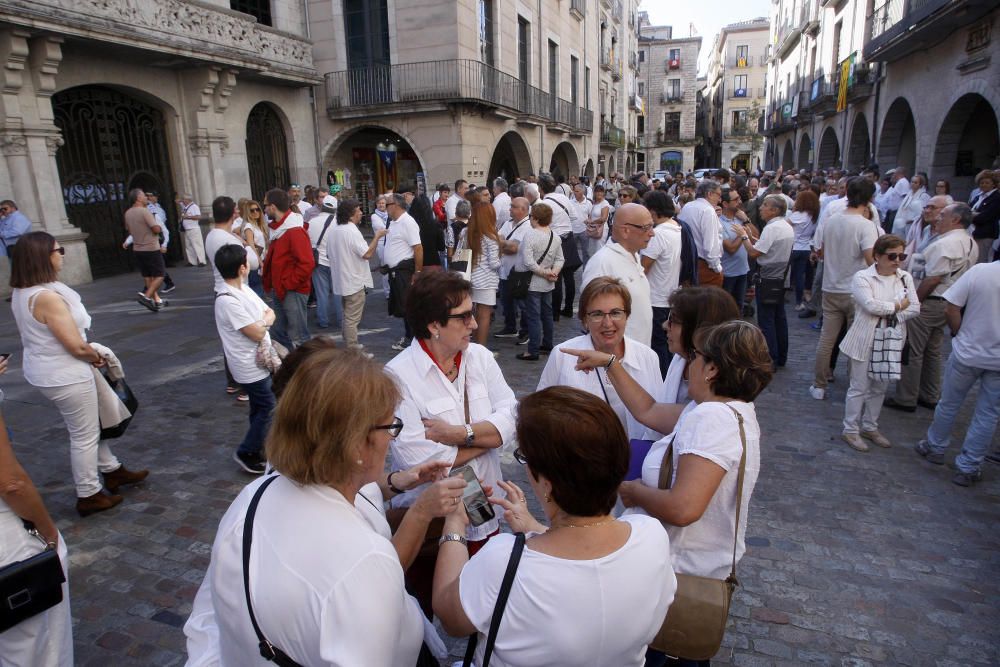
[399,345]
[819,393]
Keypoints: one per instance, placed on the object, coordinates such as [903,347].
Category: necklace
[585,525]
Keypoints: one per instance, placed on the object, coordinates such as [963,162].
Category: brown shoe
[96,503]
[123,476]
[877,438]
[854,441]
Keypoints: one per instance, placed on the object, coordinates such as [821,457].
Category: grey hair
[500,184]
[778,202]
[397,199]
[463,209]
[962,211]
[705,187]
[532,188]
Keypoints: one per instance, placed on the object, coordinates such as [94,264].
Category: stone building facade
[669,85]
[735,94]
[912,87]
[101,96]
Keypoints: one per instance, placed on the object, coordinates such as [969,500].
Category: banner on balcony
[386,172]
[846,71]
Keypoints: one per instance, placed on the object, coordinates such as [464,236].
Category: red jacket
[439,212]
[289,263]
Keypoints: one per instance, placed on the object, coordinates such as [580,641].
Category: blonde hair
[244,207]
[326,412]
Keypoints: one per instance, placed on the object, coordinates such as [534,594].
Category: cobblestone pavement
[853,559]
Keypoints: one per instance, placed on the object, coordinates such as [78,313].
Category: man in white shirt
[975,356]
[706,230]
[844,242]
[661,260]
[511,234]
[632,232]
[900,188]
[950,254]
[194,245]
[564,220]
[223,213]
[404,255]
[326,301]
[772,251]
[501,201]
[161,217]
[457,195]
[583,206]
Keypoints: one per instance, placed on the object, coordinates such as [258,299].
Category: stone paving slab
[852,559]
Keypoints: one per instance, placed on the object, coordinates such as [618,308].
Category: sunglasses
[893,256]
[519,457]
[394,429]
[61,250]
[255,210]
[467,317]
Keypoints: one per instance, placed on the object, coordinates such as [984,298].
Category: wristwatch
[453,537]
[470,436]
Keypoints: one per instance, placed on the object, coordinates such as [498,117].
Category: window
[640,124]
[837,30]
[743,55]
[672,126]
[523,51]
[259,9]
[740,85]
[574,80]
[366,27]
[675,54]
[673,89]
[642,89]
[486,32]
[642,56]
[739,120]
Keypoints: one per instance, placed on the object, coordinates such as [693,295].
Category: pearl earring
[547,498]
[437,336]
[360,462]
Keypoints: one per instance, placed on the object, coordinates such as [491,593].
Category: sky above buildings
[707,17]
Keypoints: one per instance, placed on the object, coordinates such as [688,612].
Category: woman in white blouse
[380,222]
[605,306]
[589,589]
[881,290]
[912,206]
[729,368]
[327,588]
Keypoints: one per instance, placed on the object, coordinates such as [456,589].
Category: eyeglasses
[893,256]
[597,316]
[255,210]
[519,457]
[671,321]
[61,250]
[696,352]
[645,228]
[394,429]
[468,317]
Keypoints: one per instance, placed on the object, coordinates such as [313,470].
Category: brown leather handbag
[696,621]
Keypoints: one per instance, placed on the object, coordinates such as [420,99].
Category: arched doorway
[113,142]
[564,161]
[611,165]
[805,152]
[829,150]
[967,142]
[372,160]
[267,151]
[671,161]
[860,146]
[897,147]
[787,156]
[629,168]
[589,170]
[510,158]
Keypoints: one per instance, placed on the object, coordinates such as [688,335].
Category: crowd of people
[641,442]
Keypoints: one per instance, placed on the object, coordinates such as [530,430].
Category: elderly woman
[327,588]
[986,213]
[880,291]
[58,360]
[456,407]
[912,205]
[380,222]
[580,577]
[605,306]
[704,455]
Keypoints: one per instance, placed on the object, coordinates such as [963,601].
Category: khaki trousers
[922,373]
[838,311]
[354,308]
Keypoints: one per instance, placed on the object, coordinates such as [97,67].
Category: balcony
[741,62]
[739,94]
[740,131]
[809,19]
[633,61]
[672,97]
[617,70]
[861,83]
[805,110]
[787,37]
[578,8]
[823,96]
[761,92]
[607,59]
[673,63]
[898,28]
[636,104]
[612,136]
[433,85]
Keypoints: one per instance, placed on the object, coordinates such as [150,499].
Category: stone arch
[967,142]
[589,171]
[829,150]
[897,145]
[788,156]
[629,167]
[510,158]
[859,147]
[266,140]
[564,160]
[805,150]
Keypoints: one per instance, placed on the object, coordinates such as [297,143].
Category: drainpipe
[312,101]
[873,144]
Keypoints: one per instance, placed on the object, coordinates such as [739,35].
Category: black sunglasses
[519,457]
[467,317]
[893,256]
[394,429]
[61,250]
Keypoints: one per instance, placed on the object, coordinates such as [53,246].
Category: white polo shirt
[665,251]
[350,272]
[615,261]
[512,231]
[404,233]
[978,341]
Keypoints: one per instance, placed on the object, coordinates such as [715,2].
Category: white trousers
[864,399]
[44,640]
[194,246]
[87,455]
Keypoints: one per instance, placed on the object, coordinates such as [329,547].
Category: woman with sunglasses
[702,457]
[581,591]
[457,407]
[880,291]
[58,360]
[252,229]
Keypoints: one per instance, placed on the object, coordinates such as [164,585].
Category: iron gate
[267,151]
[113,143]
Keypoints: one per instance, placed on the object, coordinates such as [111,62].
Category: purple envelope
[638,450]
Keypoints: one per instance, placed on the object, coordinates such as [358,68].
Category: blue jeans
[324,302]
[659,339]
[958,380]
[802,273]
[772,322]
[537,308]
[261,406]
[510,310]
[737,288]
[289,327]
[255,283]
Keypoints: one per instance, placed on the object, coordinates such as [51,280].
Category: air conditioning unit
[740,92]
[674,64]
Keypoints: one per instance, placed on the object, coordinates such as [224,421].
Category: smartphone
[477,505]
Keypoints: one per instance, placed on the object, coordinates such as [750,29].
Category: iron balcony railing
[672,97]
[612,135]
[450,81]
[884,17]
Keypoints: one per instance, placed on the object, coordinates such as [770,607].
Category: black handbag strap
[508,583]
[268,651]
[513,231]
[548,245]
[326,225]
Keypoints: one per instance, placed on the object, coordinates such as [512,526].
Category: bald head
[633,227]
[934,206]
[519,207]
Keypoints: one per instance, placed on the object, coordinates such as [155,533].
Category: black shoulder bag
[520,281]
[30,586]
[326,225]
[508,582]
[268,651]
